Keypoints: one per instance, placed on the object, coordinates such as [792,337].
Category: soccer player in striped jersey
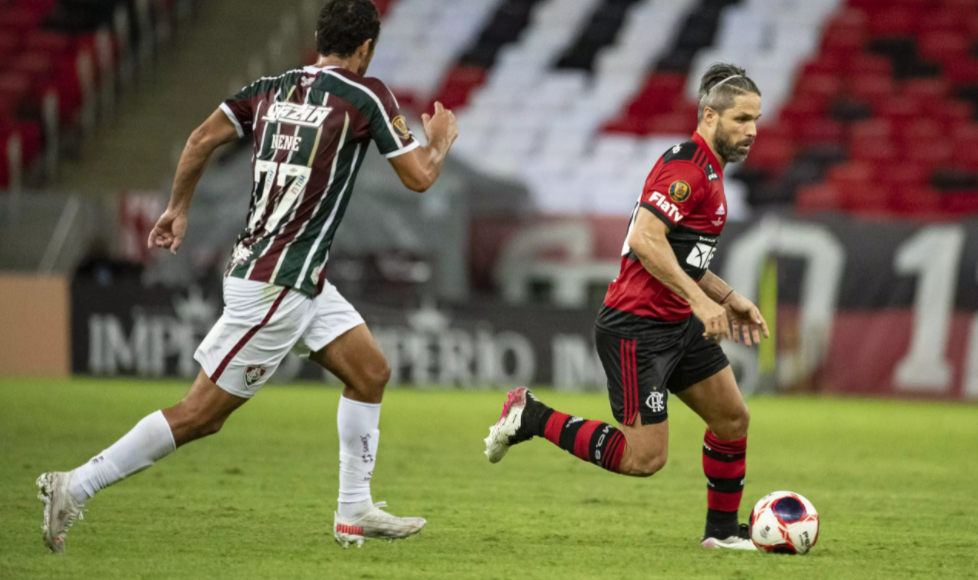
[311,129]
[663,318]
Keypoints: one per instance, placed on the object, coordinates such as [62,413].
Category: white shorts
[261,324]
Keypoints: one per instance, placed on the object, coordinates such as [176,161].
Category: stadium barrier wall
[871,308]
[34,326]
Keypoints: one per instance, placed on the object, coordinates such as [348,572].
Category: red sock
[594,441]
[725,464]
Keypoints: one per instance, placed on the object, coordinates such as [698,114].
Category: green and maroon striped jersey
[311,128]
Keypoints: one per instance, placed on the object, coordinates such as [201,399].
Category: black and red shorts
[643,370]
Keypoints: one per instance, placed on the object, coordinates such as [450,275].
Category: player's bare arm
[419,169]
[172,225]
[744,316]
[648,241]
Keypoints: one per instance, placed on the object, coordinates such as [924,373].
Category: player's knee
[648,464]
[734,425]
[379,375]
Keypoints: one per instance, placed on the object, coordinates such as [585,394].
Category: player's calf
[525,417]
[638,464]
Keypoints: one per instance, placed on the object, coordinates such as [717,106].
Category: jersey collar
[316,69]
[699,140]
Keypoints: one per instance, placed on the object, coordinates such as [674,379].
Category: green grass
[895,484]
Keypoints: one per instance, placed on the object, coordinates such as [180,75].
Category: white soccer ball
[784,522]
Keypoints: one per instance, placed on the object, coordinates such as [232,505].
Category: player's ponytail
[720,84]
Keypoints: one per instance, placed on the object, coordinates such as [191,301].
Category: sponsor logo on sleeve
[679,191]
[297,114]
[665,206]
[400,127]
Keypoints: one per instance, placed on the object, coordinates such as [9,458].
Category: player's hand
[714,318]
[746,319]
[442,125]
[169,230]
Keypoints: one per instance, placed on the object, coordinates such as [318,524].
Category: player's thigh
[339,341]
[637,371]
[717,400]
[260,325]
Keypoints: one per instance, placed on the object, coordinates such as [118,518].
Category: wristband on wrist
[729,294]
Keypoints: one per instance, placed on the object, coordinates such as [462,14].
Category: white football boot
[506,432]
[739,541]
[375,524]
[60,509]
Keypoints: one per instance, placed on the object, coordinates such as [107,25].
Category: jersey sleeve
[673,191]
[388,128]
[240,108]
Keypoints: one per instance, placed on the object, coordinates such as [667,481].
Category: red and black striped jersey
[684,190]
[311,128]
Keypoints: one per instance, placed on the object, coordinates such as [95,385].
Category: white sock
[149,441]
[357,426]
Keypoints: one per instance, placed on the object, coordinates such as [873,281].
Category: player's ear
[364,50]
[710,117]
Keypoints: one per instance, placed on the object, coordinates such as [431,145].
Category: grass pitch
[894,482]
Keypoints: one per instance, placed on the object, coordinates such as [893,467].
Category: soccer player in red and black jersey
[663,319]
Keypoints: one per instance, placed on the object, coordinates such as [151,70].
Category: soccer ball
[784,522]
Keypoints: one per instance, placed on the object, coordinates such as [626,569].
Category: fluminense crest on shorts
[297,114]
[253,374]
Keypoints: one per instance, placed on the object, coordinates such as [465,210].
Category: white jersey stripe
[332,215]
[373,96]
[332,174]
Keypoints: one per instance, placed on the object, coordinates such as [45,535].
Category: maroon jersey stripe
[265,265]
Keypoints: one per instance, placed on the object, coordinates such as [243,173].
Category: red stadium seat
[943,47]
[821,197]
[15,87]
[915,201]
[930,154]
[903,174]
[824,64]
[873,129]
[899,109]
[626,126]
[961,203]
[673,124]
[36,65]
[945,21]
[954,114]
[842,43]
[918,130]
[51,43]
[822,131]
[964,71]
[852,176]
[868,65]
[965,136]
[894,22]
[931,93]
[965,159]
[458,84]
[822,87]
[771,154]
[801,109]
[875,151]
[19,21]
[872,89]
